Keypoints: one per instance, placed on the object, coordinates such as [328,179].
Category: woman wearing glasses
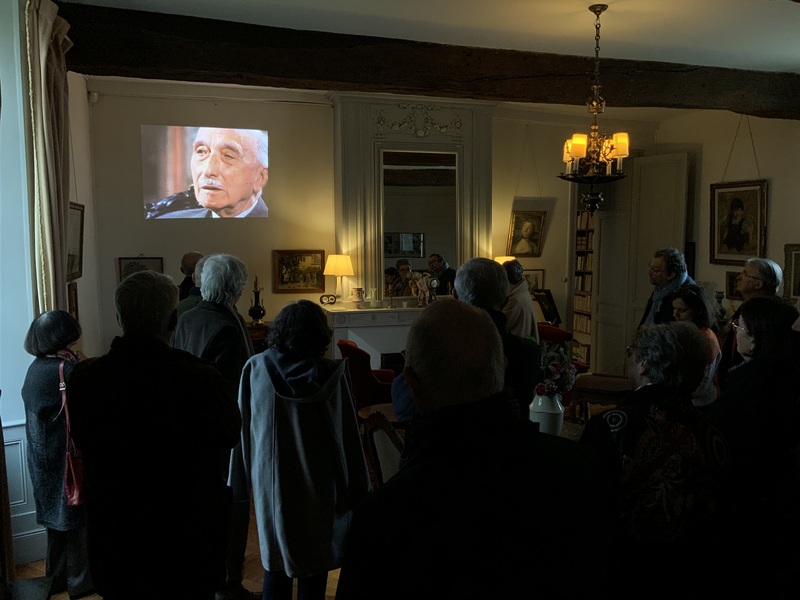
[759,416]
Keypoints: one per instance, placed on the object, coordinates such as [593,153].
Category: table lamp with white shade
[340,266]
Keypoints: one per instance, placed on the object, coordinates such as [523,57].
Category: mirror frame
[369,126]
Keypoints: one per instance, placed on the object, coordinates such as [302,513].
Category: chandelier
[594,158]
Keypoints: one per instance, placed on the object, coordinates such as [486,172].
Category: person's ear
[263,177]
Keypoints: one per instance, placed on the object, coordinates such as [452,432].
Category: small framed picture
[731,293]
[132,264]
[535,279]
[298,271]
[396,245]
[75,241]
[526,233]
[738,221]
[791,271]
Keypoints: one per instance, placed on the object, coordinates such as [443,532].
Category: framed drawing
[526,233]
[298,271]
[731,293]
[132,264]
[396,245]
[738,221]
[791,271]
[74,241]
[535,278]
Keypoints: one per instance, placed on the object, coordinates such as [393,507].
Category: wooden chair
[384,447]
[370,386]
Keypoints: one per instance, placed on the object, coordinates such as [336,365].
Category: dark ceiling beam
[126,43]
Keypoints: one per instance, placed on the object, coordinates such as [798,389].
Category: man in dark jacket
[667,273]
[215,331]
[150,421]
[471,513]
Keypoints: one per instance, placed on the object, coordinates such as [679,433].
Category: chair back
[384,447]
[367,388]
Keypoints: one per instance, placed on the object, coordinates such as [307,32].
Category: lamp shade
[620,145]
[578,146]
[339,265]
[504,259]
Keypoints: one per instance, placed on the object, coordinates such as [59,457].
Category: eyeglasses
[737,327]
[746,274]
[653,270]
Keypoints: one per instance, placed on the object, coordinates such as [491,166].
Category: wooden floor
[253,570]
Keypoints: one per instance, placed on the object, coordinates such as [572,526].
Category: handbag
[73,465]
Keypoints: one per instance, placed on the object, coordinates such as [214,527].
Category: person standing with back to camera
[50,338]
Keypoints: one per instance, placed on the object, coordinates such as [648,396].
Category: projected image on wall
[204,172]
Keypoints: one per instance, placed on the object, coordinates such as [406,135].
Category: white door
[645,212]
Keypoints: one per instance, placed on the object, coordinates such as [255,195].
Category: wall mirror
[419,192]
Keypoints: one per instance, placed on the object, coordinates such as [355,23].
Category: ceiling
[761,35]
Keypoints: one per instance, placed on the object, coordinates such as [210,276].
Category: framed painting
[535,279]
[75,241]
[791,271]
[526,233]
[738,221]
[396,245]
[132,264]
[731,293]
[298,271]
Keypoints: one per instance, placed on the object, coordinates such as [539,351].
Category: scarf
[659,295]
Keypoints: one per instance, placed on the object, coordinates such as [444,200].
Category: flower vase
[548,412]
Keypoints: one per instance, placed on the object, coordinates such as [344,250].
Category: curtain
[47,43]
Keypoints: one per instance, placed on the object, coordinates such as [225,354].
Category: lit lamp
[503,259]
[340,266]
[594,158]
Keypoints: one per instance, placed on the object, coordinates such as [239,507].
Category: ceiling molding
[126,43]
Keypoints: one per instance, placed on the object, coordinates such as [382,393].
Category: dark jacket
[150,421]
[45,429]
[477,513]
[218,334]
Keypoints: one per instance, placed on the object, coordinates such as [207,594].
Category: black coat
[150,421]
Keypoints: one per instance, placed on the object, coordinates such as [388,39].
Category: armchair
[370,386]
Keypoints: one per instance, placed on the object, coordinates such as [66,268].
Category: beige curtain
[47,43]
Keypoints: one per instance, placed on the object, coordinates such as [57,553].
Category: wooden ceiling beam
[126,43]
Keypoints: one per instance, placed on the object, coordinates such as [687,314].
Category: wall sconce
[340,266]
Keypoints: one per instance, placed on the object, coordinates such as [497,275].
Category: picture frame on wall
[526,233]
[409,245]
[738,221]
[535,279]
[731,293]
[75,241]
[132,264]
[298,271]
[791,271]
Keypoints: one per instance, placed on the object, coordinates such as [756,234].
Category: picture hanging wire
[733,144]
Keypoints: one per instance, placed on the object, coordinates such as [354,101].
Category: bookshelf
[582,286]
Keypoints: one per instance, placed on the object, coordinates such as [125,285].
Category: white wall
[709,135]
[299,192]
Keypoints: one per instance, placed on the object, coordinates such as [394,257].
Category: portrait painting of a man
[228,170]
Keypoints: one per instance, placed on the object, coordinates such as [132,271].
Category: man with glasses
[759,277]
[667,273]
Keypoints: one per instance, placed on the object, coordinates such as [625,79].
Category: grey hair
[514,271]
[261,138]
[674,262]
[769,273]
[223,279]
[676,354]
[456,353]
[482,282]
[146,302]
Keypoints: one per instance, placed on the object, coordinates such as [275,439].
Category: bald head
[189,262]
[454,355]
